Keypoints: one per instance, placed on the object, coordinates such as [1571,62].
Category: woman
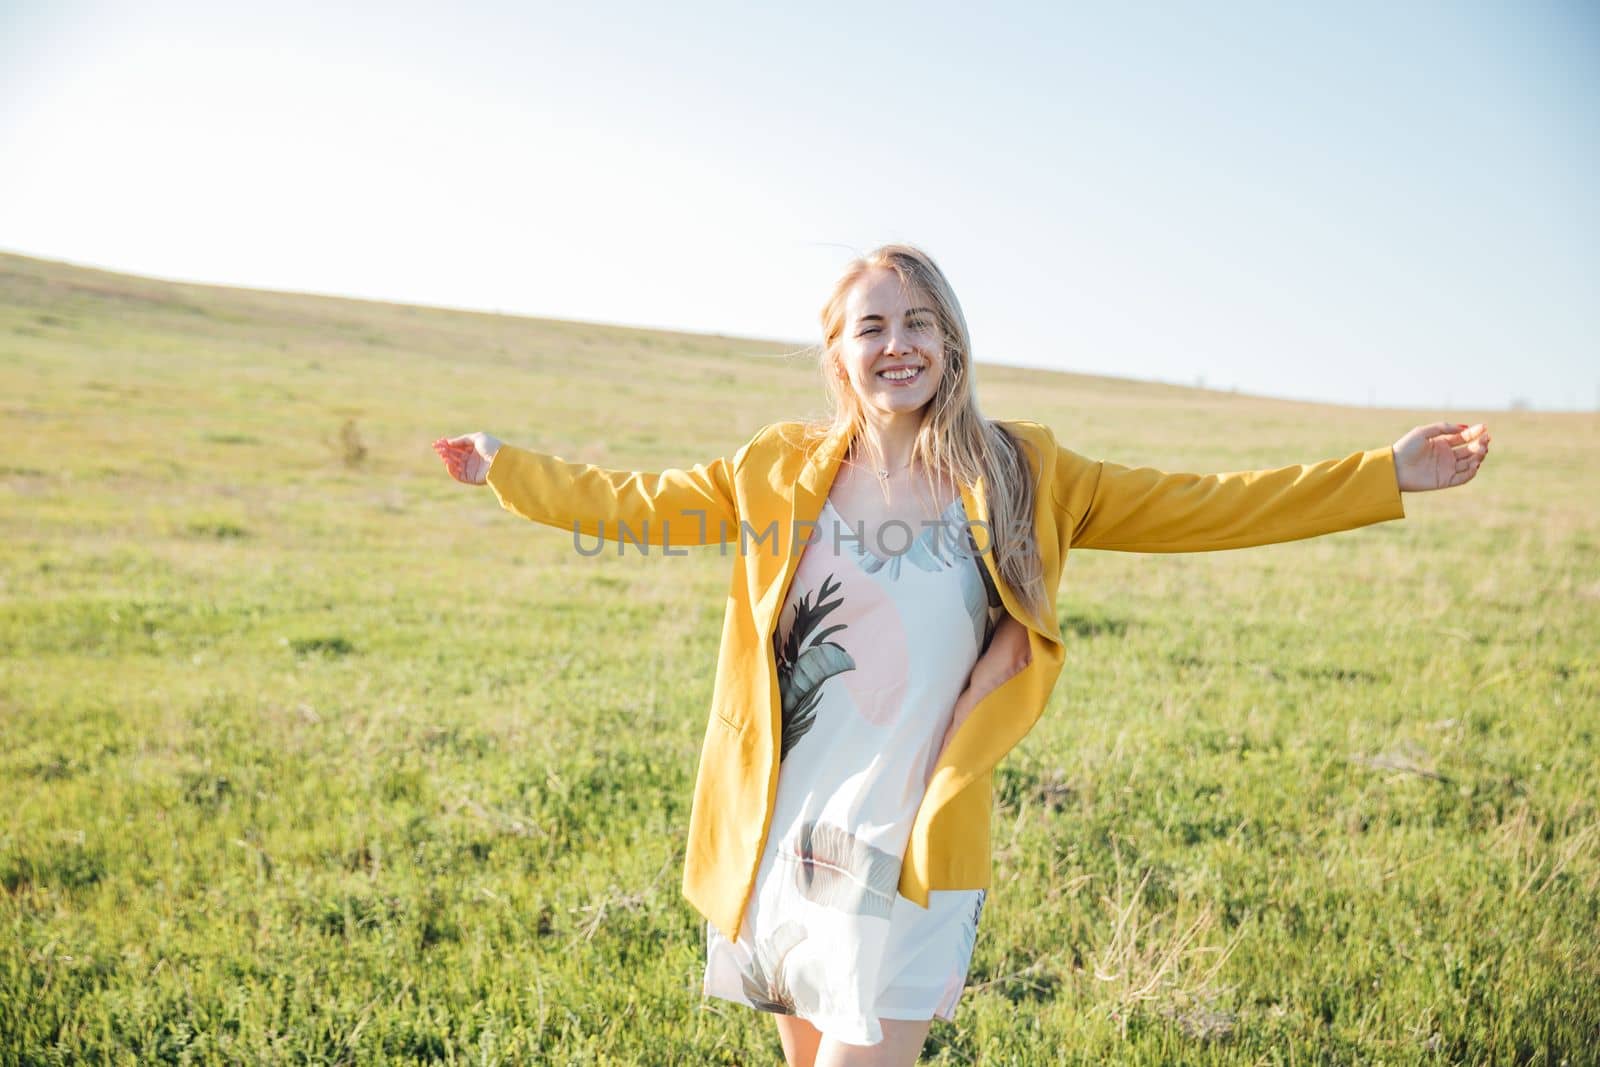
[870,678]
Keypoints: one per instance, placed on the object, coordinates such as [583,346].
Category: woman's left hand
[1440,456]
[1007,652]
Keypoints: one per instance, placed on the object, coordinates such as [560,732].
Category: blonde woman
[891,634]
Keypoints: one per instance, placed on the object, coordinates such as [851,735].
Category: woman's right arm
[694,506]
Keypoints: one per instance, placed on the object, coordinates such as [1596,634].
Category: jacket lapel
[805,505]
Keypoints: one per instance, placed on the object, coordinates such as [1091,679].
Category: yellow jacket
[769,491]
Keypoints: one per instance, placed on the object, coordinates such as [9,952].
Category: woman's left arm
[1141,509]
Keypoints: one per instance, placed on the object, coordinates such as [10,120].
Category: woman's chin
[900,403]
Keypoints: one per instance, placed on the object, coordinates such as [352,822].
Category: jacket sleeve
[1141,509]
[697,506]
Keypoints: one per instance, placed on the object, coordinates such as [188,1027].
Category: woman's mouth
[901,375]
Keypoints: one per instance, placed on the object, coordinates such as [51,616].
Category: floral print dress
[872,653]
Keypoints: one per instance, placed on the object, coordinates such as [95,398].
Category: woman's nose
[896,342]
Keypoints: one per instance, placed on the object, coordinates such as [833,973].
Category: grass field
[312,755]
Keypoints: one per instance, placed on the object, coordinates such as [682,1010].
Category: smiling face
[891,348]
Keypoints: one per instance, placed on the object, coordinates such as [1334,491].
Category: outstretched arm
[695,506]
[1141,509]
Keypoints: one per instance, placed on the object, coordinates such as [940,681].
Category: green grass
[312,755]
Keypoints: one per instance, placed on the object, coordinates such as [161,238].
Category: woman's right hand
[467,457]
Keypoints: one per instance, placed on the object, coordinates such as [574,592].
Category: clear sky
[1358,202]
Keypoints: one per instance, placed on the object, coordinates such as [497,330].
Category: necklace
[883,475]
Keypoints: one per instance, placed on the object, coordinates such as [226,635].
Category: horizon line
[1196,386]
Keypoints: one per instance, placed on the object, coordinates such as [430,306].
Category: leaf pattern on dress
[976,603]
[970,930]
[802,673]
[836,869]
[927,551]
[918,554]
[768,983]
[961,966]
[982,606]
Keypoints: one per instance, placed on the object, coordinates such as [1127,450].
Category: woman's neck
[895,438]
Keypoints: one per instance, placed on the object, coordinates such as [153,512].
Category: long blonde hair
[955,439]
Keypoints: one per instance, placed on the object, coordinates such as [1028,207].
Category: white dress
[873,649]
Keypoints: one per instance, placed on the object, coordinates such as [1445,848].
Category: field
[312,755]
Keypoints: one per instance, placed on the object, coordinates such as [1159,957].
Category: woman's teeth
[904,375]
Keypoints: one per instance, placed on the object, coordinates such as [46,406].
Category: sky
[1362,203]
